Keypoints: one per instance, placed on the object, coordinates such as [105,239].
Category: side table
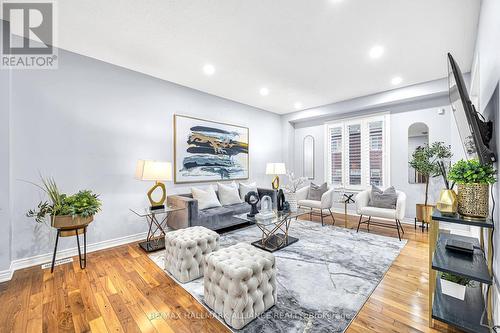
[157,222]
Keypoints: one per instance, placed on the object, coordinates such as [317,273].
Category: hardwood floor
[123,291]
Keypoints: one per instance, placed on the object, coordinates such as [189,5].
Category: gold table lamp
[155,171]
[275,169]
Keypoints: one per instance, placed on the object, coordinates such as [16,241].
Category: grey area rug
[323,280]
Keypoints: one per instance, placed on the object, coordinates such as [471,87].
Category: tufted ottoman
[186,249]
[240,283]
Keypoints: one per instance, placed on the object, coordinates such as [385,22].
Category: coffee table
[273,240]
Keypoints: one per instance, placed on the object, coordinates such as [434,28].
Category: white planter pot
[292,201]
[453,289]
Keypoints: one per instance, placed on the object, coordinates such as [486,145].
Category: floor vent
[58,262]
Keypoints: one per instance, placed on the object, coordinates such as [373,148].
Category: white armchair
[397,214]
[317,207]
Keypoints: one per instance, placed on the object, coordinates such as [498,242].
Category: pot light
[297,105]
[264,91]
[376,52]
[396,80]
[209,69]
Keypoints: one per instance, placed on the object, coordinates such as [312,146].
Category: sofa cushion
[316,191]
[379,212]
[206,198]
[309,203]
[220,217]
[383,199]
[245,188]
[228,194]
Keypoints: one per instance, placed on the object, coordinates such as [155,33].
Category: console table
[465,315]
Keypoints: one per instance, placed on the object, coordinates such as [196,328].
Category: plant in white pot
[293,184]
[454,285]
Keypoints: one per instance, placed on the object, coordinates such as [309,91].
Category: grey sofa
[212,218]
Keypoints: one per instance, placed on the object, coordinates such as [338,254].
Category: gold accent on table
[447,203]
[276,183]
[424,213]
[69,222]
[473,200]
[160,202]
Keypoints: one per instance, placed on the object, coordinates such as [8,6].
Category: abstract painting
[209,151]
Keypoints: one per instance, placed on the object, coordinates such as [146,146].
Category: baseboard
[47,257]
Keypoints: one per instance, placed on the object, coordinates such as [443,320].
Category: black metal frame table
[271,239]
[83,261]
[154,241]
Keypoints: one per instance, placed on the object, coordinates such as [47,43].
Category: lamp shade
[153,170]
[275,169]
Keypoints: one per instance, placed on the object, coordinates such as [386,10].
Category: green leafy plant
[472,172]
[461,280]
[428,161]
[83,204]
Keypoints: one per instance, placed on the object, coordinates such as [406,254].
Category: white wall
[441,128]
[88,122]
[4,172]
[487,58]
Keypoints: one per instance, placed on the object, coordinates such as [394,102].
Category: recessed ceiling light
[396,80]
[297,105]
[264,91]
[376,51]
[209,69]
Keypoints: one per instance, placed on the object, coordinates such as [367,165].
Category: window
[357,152]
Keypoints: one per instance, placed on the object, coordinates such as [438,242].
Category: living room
[249,166]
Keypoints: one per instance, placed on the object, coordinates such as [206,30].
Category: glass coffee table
[275,230]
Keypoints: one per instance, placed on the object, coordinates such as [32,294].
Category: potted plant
[425,160]
[454,285]
[65,211]
[294,183]
[473,179]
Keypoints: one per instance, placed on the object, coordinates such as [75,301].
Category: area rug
[323,280]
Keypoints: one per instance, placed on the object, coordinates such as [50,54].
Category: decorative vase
[424,213]
[453,289]
[292,201]
[447,203]
[473,200]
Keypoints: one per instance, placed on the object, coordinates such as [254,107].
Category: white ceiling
[310,51]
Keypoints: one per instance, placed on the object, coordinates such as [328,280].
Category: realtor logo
[28,35]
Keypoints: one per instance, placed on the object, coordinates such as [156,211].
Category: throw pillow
[316,191]
[383,199]
[228,194]
[206,198]
[245,188]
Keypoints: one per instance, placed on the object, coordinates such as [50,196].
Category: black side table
[157,221]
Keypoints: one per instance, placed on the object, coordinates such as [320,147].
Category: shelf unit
[465,315]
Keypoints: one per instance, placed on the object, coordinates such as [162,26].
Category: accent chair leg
[397,227]
[368,223]
[331,214]
[311,215]
[321,215]
[359,223]
[401,226]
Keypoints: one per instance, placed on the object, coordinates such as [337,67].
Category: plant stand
[83,260]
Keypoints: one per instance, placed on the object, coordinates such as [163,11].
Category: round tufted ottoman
[186,249]
[240,283]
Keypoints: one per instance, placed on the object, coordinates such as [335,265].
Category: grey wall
[487,57]
[5,234]
[88,122]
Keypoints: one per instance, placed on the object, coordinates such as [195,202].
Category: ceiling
[307,52]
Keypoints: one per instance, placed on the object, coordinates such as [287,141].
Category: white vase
[453,289]
[292,201]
